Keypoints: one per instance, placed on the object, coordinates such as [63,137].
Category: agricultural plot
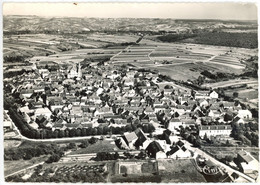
[228,60]
[135,53]
[163,51]
[113,38]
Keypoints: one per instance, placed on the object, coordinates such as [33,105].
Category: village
[131,106]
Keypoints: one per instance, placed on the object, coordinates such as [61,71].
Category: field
[11,143]
[173,171]
[135,171]
[11,166]
[231,151]
[99,146]
[247,94]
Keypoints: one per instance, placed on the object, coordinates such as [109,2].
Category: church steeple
[79,71]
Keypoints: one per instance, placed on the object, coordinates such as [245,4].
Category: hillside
[35,24]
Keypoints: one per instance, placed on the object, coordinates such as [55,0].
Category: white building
[214,130]
[244,114]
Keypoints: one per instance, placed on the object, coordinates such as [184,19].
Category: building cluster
[72,97]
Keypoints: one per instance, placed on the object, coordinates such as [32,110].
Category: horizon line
[133,17]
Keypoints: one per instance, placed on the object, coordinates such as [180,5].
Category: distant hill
[35,24]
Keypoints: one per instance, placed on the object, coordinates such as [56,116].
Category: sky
[226,11]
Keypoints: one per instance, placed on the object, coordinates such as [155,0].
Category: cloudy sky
[227,11]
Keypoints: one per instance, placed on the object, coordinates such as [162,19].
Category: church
[75,71]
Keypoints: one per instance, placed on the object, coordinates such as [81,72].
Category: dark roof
[154,147]
[172,151]
[180,143]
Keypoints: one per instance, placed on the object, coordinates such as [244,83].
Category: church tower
[79,71]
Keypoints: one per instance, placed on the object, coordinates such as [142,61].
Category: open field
[99,146]
[11,166]
[249,82]
[183,170]
[11,143]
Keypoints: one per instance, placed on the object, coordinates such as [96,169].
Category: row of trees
[80,132]
[27,152]
[246,133]
[11,74]
[16,58]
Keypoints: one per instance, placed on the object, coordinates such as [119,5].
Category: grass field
[100,146]
[183,170]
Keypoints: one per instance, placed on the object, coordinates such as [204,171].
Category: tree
[83,132]
[205,137]
[78,132]
[235,94]
[28,156]
[93,131]
[92,140]
[99,130]
[84,144]
[116,156]
[229,158]
[71,146]
[105,130]
[72,132]
[53,158]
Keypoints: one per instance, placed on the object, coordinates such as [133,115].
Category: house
[155,150]
[238,120]
[203,103]
[201,95]
[244,114]
[213,113]
[129,81]
[214,130]
[213,94]
[43,111]
[130,139]
[248,163]
[168,91]
[149,111]
[227,105]
[174,124]
[26,93]
[179,151]
[142,141]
